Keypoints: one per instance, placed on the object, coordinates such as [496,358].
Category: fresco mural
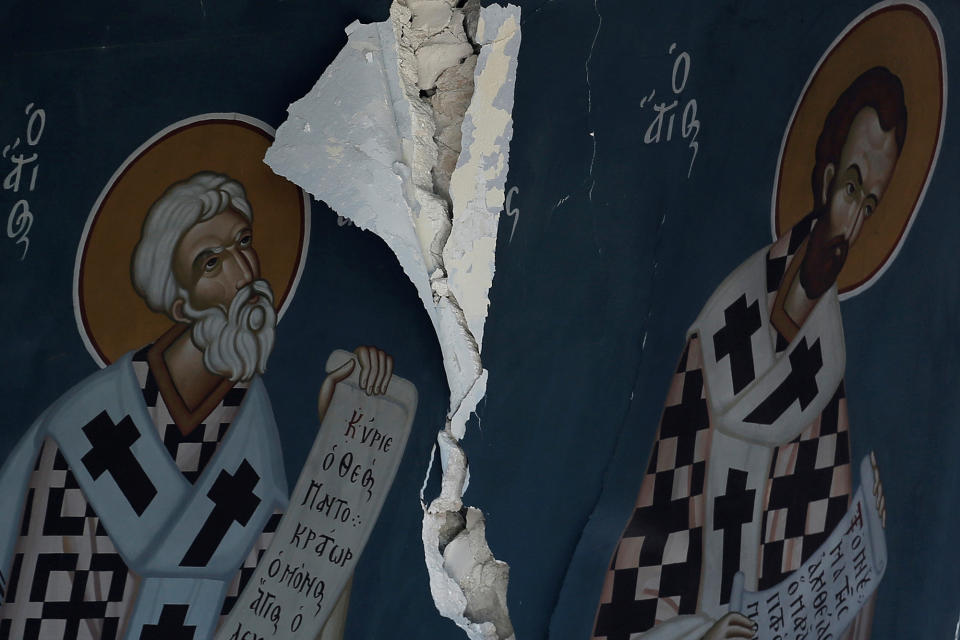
[151,489]
[751,468]
[233,409]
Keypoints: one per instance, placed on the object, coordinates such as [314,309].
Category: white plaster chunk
[461,357]
[471,16]
[458,422]
[435,50]
[456,472]
[430,16]
[447,446]
[351,155]
[448,140]
[477,184]
[454,91]
[483,578]
[432,224]
[426,172]
[430,215]
[468,584]
[436,54]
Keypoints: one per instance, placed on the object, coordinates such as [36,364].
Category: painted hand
[878,491]
[376,370]
[732,625]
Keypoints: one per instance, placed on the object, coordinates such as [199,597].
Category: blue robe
[184,541]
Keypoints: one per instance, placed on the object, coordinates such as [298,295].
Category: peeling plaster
[407,134]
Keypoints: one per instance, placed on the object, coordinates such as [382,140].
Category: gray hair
[184,204]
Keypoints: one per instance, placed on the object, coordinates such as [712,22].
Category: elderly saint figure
[138,504]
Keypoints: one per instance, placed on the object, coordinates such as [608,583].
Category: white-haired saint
[138,504]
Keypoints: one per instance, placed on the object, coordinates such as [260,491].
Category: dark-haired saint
[750,470]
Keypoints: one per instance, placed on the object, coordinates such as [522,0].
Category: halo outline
[82,329]
[876,8]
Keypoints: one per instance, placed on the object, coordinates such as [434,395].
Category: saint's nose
[849,220]
[244,269]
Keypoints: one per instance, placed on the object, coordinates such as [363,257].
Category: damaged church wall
[528,231]
[434,89]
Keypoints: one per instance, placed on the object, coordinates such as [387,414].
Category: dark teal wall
[592,296]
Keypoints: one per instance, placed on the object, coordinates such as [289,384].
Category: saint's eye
[245,241]
[851,189]
[867,210]
[211,264]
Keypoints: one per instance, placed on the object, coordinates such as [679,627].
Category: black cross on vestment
[111,453]
[733,340]
[799,385]
[655,524]
[170,626]
[691,414]
[233,501]
[683,421]
[730,512]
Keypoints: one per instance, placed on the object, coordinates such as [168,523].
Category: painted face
[215,259]
[852,190]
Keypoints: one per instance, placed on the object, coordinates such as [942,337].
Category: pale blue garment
[154,543]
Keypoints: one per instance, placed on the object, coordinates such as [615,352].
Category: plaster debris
[477,184]
[450,101]
[468,560]
[407,134]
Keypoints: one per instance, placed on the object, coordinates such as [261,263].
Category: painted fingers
[329,383]
[732,625]
[376,370]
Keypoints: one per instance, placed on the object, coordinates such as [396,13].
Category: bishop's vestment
[750,468]
[129,529]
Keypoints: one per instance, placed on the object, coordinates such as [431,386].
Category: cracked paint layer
[407,134]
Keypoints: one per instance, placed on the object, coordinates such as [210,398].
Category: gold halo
[906,39]
[111,317]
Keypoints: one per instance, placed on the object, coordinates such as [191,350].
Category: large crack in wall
[437,67]
[407,134]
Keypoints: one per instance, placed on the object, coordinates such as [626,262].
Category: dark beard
[821,263]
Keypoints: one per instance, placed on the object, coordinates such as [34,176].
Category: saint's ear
[828,172]
[176,310]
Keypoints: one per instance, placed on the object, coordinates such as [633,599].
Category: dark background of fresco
[575,391]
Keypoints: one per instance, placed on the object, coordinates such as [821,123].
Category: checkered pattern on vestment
[67,581]
[808,492]
[655,571]
[809,486]
[193,451]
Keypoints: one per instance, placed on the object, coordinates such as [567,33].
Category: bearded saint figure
[750,468]
[139,503]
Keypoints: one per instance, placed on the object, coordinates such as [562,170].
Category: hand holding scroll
[732,625]
[376,369]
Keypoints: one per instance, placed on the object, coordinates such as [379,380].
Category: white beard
[236,342]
